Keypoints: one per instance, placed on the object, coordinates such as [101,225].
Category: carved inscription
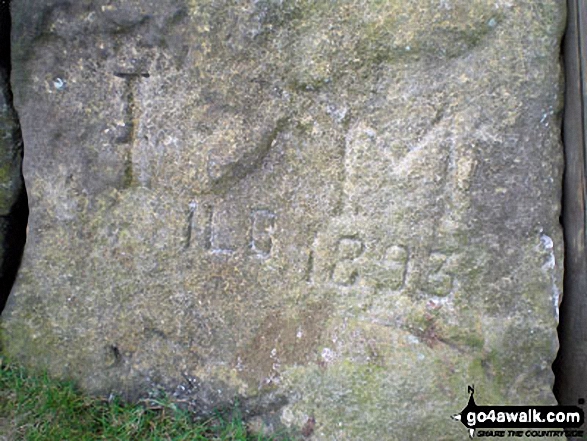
[199,226]
[439,281]
[263,222]
[206,233]
[310,267]
[190,224]
[345,271]
[310,264]
[221,235]
[127,131]
[395,263]
[347,259]
[203,231]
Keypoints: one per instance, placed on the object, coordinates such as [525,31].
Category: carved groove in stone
[190,220]
[263,222]
[223,171]
[348,249]
[396,265]
[439,282]
[127,135]
[214,241]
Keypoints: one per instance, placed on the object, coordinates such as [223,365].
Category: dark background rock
[13,201]
[571,363]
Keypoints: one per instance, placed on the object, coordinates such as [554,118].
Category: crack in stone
[13,198]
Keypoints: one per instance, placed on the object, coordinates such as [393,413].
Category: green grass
[35,408]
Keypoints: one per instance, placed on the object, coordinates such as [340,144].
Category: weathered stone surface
[340,212]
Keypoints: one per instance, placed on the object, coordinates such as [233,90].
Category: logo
[521,421]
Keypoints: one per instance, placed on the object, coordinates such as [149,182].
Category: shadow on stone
[14,226]
[13,198]
[569,367]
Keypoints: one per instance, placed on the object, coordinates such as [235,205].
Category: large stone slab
[340,213]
